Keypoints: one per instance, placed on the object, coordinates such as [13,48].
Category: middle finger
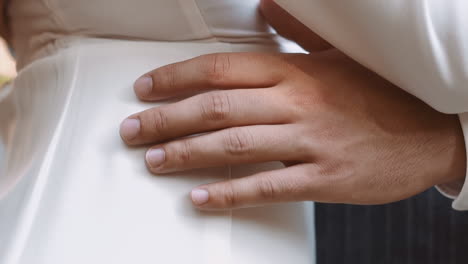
[205,112]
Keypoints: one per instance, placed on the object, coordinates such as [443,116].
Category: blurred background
[420,230]
[7,64]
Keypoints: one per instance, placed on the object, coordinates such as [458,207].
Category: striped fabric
[423,229]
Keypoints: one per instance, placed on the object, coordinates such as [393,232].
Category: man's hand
[346,135]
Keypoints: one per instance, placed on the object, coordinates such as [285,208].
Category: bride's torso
[55,21]
[71,191]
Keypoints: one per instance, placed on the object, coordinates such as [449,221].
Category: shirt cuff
[458,190]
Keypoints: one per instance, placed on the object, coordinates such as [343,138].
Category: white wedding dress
[71,191]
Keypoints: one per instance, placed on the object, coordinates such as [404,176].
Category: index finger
[212,71]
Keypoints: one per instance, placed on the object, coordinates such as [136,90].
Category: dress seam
[208,28]
[57,18]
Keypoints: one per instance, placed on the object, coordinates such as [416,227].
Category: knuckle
[166,77]
[239,142]
[302,98]
[305,103]
[267,190]
[159,121]
[288,68]
[218,67]
[216,106]
[183,151]
[231,198]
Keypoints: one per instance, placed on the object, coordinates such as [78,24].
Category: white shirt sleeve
[419,45]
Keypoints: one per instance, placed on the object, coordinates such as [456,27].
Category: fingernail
[143,86]
[155,157]
[130,128]
[200,196]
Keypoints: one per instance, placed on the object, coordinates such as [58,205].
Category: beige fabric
[40,27]
[7,64]
[71,191]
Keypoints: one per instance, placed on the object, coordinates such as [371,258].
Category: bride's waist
[101,72]
[80,94]
[72,175]
[26,56]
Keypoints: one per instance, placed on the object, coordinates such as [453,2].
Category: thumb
[259,189]
[289,27]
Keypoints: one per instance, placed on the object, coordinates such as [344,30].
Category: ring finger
[238,145]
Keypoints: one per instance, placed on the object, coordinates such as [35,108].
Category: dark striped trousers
[423,229]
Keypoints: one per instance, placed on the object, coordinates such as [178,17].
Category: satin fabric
[40,27]
[72,192]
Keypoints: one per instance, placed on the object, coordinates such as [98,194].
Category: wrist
[452,153]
